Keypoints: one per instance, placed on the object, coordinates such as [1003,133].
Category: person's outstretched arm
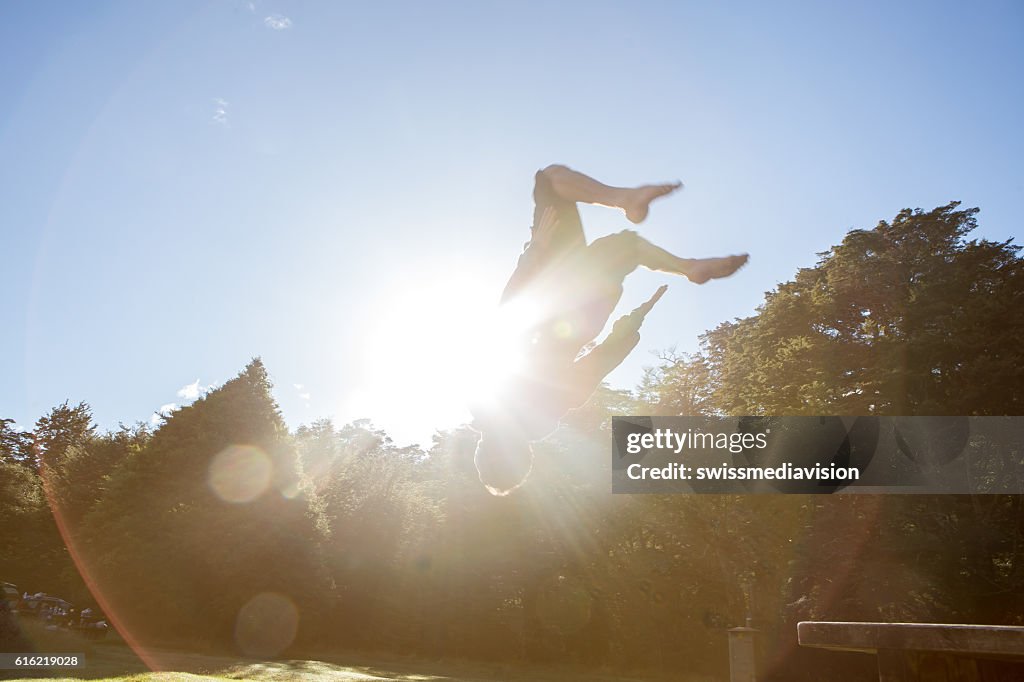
[591,369]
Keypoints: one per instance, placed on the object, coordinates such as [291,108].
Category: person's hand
[630,323]
[645,308]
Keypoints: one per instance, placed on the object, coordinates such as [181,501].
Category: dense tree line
[371,545]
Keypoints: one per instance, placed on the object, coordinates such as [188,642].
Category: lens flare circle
[240,473]
[266,625]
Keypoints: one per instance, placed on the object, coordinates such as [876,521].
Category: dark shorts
[579,284]
[609,258]
[583,291]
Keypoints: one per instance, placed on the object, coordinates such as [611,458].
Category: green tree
[910,318]
[212,514]
[15,444]
[26,537]
[60,429]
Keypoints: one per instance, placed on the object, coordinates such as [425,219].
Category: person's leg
[619,254]
[564,230]
[555,233]
[574,186]
[697,270]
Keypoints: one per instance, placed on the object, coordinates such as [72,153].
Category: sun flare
[431,350]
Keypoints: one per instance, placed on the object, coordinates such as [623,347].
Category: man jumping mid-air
[571,288]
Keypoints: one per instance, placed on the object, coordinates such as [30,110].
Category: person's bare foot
[702,270]
[638,199]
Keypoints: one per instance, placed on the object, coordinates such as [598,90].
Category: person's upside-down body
[573,287]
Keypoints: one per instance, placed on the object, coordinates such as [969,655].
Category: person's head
[503,461]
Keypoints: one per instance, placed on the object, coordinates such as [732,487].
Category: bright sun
[431,348]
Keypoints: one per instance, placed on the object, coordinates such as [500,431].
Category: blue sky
[342,188]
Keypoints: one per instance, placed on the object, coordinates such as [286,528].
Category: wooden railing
[927,652]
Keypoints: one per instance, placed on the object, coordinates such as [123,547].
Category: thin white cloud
[278,22]
[304,394]
[220,111]
[193,390]
[164,411]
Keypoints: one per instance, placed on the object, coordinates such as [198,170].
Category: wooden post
[742,661]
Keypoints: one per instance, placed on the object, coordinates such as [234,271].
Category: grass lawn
[116,661]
